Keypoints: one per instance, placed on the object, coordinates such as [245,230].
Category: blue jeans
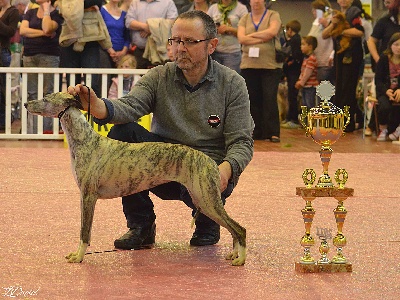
[230,60]
[43,61]
[308,94]
[138,208]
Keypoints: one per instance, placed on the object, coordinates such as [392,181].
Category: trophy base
[323,268]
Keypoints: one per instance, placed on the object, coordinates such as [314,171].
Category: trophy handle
[302,119]
[347,115]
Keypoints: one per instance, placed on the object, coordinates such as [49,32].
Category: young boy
[291,70]
[308,77]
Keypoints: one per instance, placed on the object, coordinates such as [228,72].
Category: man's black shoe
[204,236]
[138,237]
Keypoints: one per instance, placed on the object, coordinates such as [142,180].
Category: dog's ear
[73,100]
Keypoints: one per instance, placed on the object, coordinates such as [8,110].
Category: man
[195,101]
[136,20]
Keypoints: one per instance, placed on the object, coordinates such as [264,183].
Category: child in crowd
[308,77]
[128,61]
[291,69]
[387,75]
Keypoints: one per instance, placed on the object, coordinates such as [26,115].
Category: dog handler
[196,102]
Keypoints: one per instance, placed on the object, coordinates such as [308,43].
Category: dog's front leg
[88,203]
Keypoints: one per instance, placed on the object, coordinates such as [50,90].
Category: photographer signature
[18,291]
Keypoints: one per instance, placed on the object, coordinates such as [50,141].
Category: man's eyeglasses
[186,43]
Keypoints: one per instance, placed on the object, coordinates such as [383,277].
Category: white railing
[19,77]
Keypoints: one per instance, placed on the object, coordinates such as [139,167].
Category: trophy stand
[326,124]
[339,262]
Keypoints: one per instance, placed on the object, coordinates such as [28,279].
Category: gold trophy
[325,123]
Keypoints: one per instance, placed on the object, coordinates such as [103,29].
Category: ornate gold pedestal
[339,263]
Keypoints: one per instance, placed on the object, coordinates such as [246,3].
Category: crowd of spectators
[99,34]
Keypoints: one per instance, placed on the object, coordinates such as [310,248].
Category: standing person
[324,49]
[226,14]
[136,20]
[387,80]
[347,63]
[191,105]
[308,81]
[257,32]
[41,29]
[114,17]
[77,54]
[9,18]
[384,28]
[292,68]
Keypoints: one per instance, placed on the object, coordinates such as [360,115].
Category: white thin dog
[105,168]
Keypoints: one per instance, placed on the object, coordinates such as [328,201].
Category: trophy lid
[325,90]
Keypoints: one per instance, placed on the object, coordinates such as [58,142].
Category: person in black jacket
[9,18]
[291,69]
[387,83]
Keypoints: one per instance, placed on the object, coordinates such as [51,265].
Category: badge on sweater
[214,121]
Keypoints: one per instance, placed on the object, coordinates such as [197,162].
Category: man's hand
[225,171]
[97,107]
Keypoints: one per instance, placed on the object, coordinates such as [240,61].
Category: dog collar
[60,115]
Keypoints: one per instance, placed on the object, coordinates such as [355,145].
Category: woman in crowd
[348,62]
[325,46]
[114,17]
[257,32]
[387,78]
[41,28]
[226,14]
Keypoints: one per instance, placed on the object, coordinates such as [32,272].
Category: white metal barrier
[22,77]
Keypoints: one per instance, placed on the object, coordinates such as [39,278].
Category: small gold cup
[326,124]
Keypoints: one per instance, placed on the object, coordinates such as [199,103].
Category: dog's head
[341,23]
[52,104]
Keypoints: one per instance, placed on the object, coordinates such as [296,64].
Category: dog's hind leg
[212,206]
[88,203]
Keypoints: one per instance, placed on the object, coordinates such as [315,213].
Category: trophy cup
[325,123]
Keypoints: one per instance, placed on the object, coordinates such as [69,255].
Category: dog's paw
[74,257]
[236,259]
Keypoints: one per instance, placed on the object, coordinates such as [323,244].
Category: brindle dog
[105,168]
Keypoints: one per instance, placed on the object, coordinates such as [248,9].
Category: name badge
[254,52]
